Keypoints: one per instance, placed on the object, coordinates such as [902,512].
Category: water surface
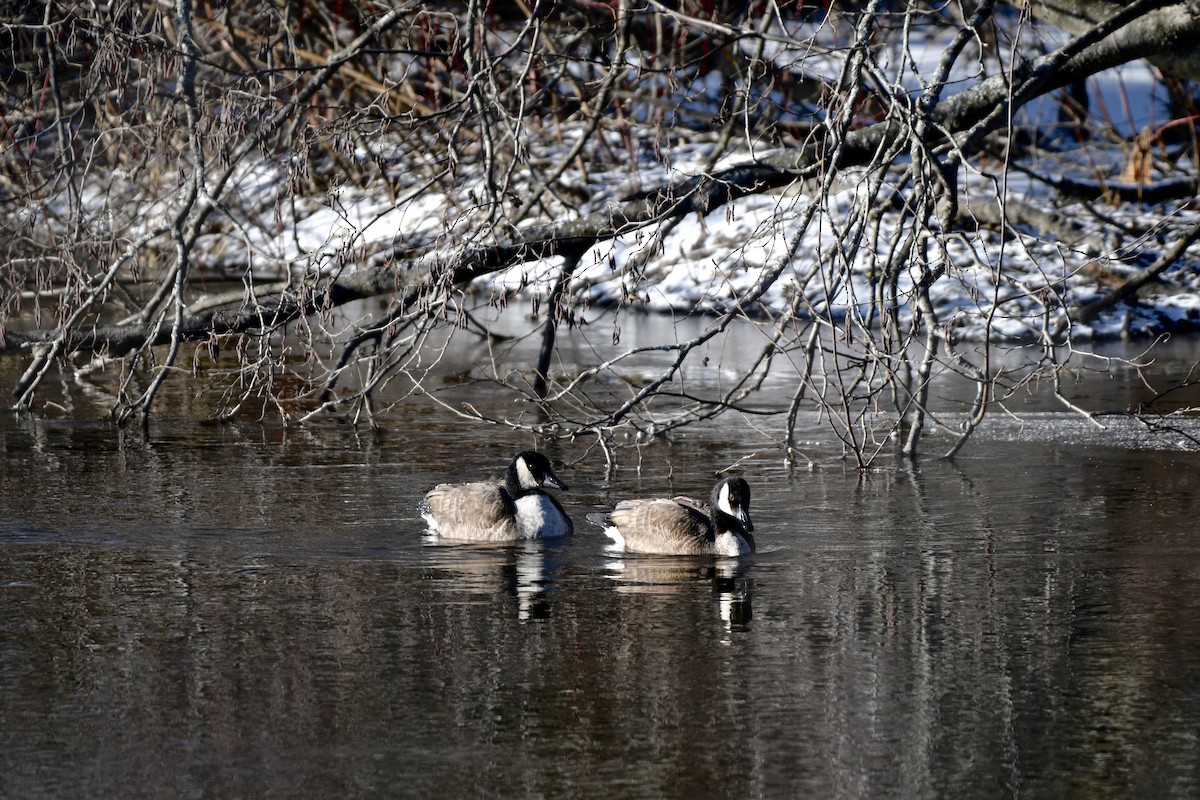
[247,611]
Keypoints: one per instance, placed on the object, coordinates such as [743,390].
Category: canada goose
[500,512]
[682,526]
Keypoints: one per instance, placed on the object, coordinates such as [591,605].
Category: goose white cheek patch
[525,475]
[723,501]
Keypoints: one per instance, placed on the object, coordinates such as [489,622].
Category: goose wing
[663,526]
[694,505]
[479,511]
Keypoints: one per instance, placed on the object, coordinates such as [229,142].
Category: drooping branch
[1137,31]
[200,202]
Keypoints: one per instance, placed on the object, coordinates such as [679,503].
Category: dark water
[248,611]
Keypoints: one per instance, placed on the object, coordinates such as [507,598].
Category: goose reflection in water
[523,572]
[730,587]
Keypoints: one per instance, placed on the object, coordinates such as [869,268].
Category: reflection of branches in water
[1159,396]
[1169,422]
[1163,425]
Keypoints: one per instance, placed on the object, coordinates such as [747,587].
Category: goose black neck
[723,522]
[749,537]
[512,483]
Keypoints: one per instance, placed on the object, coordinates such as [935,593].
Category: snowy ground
[994,286]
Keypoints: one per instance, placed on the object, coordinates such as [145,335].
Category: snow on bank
[773,248]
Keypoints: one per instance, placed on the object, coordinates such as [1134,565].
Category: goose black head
[531,470]
[731,505]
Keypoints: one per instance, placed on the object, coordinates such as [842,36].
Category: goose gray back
[683,526]
[518,508]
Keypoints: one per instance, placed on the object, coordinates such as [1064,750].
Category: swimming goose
[500,512]
[682,526]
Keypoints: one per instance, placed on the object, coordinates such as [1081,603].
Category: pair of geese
[520,508]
